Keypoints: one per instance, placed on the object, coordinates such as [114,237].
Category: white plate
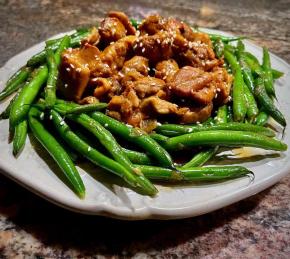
[33,170]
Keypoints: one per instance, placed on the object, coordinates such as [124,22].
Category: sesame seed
[68,69]
[41,116]
[89,149]
[65,85]
[50,117]
[106,125]
[143,50]
[61,123]
[190,130]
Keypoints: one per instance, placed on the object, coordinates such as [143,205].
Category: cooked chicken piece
[114,114]
[155,23]
[197,36]
[111,29]
[115,54]
[194,84]
[93,38]
[148,125]
[130,77]
[105,88]
[123,18]
[199,55]
[222,83]
[166,70]
[127,105]
[155,47]
[147,86]
[194,114]
[154,105]
[104,85]
[75,70]
[137,63]
[152,24]
[88,100]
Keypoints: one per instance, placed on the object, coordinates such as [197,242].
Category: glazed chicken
[164,71]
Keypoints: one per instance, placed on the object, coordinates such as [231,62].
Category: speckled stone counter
[258,227]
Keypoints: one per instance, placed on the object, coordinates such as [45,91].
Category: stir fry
[129,96]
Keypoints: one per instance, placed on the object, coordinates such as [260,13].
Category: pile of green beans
[86,131]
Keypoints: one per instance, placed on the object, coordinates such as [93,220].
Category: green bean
[27,94]
[247,73]
[94,155]
[112,146]
[213,173]
[50,95]
[5,114]
[218,46]
[19,137]
[239,102]
[64,44]
[230,48]
[240,48]
[207,153]
[262,118]
[53,61]
[15,82]
[224,138]
[222,114]
[201,158]
[230,126]
[86,108]
[252,108]
[225,39]
[134,156]
[276,73]
[266,102]
[256,68]
[74,36]
[57,152]
[138,158]
[231,59]
[253,63]
[130,134]
[39,58]
[268,77]
[158,137]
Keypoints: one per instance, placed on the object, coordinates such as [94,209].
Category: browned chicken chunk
[137,63]
[193,83]
[166,70]
[123,18]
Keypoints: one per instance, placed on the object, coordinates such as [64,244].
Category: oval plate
[37,172]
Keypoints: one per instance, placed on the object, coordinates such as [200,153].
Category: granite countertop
[257,227]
